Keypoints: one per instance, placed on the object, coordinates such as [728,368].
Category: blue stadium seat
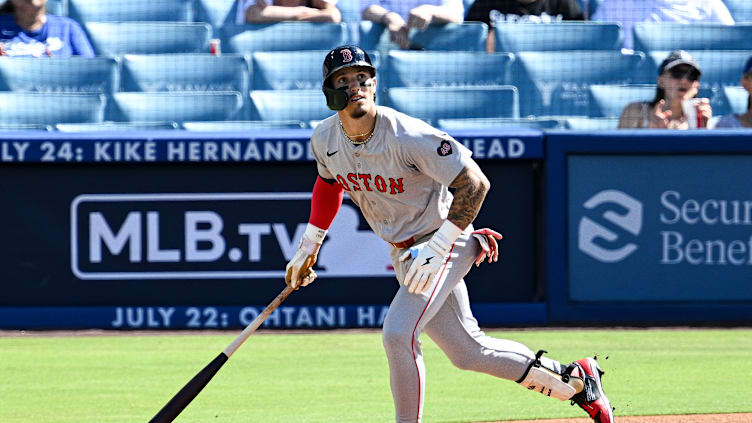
[557,36]
[174,106]
[115,38]
[218,13]
[485,123]
[720,68]
[469,36]
[185,72]
[115,126]
[242,125]
[610,100]
[50,108]
[741,10]
[57,7]
[737,98]
[276,105]
[591,124]
[282,36]
[555,83]
[130,10]
[665,36]
[287,70]
[443,68]
[74,74]
[434,103]
[5,127]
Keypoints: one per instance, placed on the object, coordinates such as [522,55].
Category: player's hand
[424,268]
[489,247]
[299,271]
[420,17]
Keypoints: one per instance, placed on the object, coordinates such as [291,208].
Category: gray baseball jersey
[399,177]
[399,180]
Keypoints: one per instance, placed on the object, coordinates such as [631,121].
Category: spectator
[492,12]
[744,120]
[27,30]
[263,11]
[678,83]
[629,12]
[399,16]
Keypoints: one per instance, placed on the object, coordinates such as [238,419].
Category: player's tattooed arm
[471,186]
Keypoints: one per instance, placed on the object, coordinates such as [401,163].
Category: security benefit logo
[222,235]
[610,226]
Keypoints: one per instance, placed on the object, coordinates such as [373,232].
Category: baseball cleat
[592,399]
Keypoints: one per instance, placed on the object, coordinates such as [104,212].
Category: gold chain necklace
[359,135]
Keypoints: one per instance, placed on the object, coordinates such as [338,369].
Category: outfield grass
[342,377]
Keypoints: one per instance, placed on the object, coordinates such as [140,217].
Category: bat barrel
[184,397]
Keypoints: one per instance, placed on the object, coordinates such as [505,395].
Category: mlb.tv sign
[211,236]
[660,228]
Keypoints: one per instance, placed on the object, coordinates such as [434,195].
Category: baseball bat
[177,404]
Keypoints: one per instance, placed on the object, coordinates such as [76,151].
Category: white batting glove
[425,268]
[299,271]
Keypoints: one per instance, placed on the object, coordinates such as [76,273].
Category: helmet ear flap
[336,99]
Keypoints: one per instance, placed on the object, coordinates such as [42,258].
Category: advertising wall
[186,230]
[657,227]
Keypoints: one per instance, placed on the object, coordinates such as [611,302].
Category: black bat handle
[184,397]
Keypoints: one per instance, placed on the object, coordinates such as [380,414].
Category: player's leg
[408,314]
[456,332]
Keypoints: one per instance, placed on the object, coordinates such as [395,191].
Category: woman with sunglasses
[743,120]
[675,105]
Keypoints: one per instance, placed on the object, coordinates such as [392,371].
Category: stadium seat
[610,100]
[130,10]
[282,36]
[666,36]
[557,36]
[57,7]
[74,74]
[242,125]
[50,108]
[443,68]
[485,123]
[277,105]
[555,83]
[720,68]
[736,98]
[591,124]
[115,126]
[469,36]
[434,103]
[174,106]
[741,10]
[116,38]
[218,13]
[5,127]
[185,72]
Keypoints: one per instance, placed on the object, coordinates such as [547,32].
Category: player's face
[681,82]
[361,87]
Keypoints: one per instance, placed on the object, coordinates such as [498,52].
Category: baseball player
[398,170]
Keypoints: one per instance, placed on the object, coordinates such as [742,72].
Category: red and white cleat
[592,399]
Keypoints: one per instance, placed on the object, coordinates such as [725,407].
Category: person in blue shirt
[27,30]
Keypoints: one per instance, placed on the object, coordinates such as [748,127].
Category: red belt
[404,244]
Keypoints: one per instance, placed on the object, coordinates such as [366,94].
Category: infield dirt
[687,418]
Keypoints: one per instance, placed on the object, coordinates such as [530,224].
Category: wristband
[442,239]
[312,239]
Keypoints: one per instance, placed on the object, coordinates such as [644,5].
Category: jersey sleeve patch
[444,149]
